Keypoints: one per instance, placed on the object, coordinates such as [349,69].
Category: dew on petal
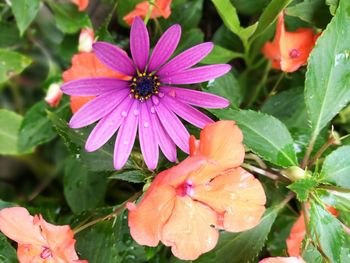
[161,94]
[136,112]
[124,114]
[155,100]
[153,110]
[146,125]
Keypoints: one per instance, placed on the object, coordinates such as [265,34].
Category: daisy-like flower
[148,102]
[187,205]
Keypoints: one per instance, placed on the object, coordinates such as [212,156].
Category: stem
[274,88]
[115,213]
[331,140]
[257,159]
[262,82]
[286,200]
[308,152]
[333,188]
[260,171]
[151,5]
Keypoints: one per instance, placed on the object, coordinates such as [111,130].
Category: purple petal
[126,136]
[92,86]
[166,144]
[97,108]
[174,126]
[196,98]
[148,142]
[114,58]
[165,47]
[197,75]
[139,43]
[186,59]
[107,126]
[187,112]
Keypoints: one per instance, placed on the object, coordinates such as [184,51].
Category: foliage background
[44,167]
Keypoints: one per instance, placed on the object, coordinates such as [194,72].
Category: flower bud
[86,39]
[295,173]
[53,94]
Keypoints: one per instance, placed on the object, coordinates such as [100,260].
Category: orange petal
[60,240]
[147,218]
[30,253]
[189,231]
[272,52]
[162,8]
[236,194]
[282,260]
[17,224]
[296,237]
[141,10]
[86,65]
[82,4]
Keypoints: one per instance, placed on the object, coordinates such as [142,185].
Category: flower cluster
[186,205]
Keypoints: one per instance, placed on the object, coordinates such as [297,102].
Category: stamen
[46,253]
[294,53]
[143,86]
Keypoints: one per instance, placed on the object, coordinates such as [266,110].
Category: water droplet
[136,112]
[146,125]
[155,100]
[124,114]
[153,110]
[172,93]
[126,142]
[77,156]
[342,57]
[161,94]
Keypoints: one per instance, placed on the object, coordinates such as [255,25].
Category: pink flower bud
[53,95]
[86,39]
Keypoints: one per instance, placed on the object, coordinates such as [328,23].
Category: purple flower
[148,102]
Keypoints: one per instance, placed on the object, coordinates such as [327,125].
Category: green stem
[151,5]
[119,209]
[260,171]
[258,88]
[308,152]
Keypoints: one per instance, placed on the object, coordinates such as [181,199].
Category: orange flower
[297,234]
[161,8]
[38,241]
[282,260]
[186,205]
[86,65]
[289,50]
[81,4]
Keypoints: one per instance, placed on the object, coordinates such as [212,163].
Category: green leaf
[68,18]
[12,63]
[270,15]
[110,241]
[36,128]
[10,123]
[9,35]
[328,76]
[83,189]
[263,134]
[303,187]
[220,55]
[133,176]
[243,246]
[228,87]
[336,167]
[25,11]
[100,160]
[288,106]
[327,231]
[339,200]
[228,15]
[7,252]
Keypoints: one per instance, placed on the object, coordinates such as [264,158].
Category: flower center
[143,86]
[46,253]
[187,188]
[294,53]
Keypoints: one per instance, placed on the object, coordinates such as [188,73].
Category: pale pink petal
[17,224]
[282,260]
[189,230]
